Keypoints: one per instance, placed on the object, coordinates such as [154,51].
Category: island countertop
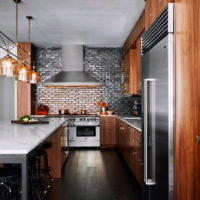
[22,139]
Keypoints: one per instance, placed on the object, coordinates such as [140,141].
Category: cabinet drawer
[106,119]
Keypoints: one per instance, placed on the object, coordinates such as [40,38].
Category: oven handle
[81,125]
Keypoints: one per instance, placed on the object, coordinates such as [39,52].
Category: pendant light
[8,65]
[35,76]
[24,72]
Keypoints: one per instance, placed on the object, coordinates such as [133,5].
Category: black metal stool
[43,152]
[37,190]
[10,183]
[35,171]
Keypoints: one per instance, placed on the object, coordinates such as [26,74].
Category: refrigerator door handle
[149,93]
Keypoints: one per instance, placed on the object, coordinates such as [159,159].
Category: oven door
[89,133]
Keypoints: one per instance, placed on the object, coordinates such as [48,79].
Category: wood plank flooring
[95,175]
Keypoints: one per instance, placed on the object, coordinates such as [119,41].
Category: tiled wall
[102,63]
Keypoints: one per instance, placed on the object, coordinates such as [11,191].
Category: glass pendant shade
[24,73]
[35,77]
[8,67]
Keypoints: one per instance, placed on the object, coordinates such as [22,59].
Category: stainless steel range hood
[72,74]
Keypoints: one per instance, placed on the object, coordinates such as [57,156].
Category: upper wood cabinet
[131,62]
[130,147]
[129,85]
[131,69]
[152,10]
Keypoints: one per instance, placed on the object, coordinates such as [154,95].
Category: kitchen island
[18,141]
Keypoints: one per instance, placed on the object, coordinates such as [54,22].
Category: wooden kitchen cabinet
[129,85]
[136,154]
[129,145]
[107,132]
[139,65]
[56,154]
[131,69]
[152,10]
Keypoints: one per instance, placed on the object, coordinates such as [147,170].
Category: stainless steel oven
[84,132]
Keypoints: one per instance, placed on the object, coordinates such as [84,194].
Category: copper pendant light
[8,66]
[34,76]
[24,73]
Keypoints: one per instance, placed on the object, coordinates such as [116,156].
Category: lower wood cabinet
[115,132]
[129,145]
[107,131]
[56,154]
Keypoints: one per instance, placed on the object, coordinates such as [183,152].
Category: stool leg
[39,176]
[46,165]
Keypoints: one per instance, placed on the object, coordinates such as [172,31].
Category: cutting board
[29,123]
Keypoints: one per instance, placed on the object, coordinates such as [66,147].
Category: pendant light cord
[29,31]
[16,22]
[29,27]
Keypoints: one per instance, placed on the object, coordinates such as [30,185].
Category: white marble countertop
[21,139]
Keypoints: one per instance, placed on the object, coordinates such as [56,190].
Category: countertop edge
[27,151]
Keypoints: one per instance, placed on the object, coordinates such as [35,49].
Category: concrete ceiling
[98,23]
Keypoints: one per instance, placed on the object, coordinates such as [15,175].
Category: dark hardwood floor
[95,175]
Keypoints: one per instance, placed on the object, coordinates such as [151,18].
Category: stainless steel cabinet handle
[149,94]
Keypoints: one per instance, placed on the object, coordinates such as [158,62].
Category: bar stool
[10,183]
[43,153]
[37,188]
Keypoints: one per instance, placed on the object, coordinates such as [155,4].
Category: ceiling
[98,23]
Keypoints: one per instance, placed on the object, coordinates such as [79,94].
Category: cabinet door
[126,74]
[138,57]
[139,165]
[122,140]
[117,132]
[133,162]
[129,86]
[106,137]
[108,131]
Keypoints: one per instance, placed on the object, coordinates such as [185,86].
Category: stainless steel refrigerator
[158,108]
